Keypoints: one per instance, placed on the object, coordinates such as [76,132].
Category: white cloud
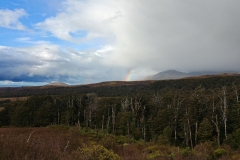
[23,39]
[48,60]
[17,84]
[28,40]
[156,35]
[10,18]
[80,16]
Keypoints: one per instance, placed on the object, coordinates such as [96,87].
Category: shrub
[108,142]
[235,157]
[161,151]
[153,152]
[186,152]
[204,150]
[93,151]
[220,152]
[132,152]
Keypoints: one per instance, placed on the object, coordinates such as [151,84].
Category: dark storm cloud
[158,35]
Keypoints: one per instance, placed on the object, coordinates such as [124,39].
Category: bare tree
[236,92]
[215,119]
[58,108]
[91,107]
[69,110]
[136,108]
[223,105]
[188,128]
[108,121]
[142,120]
[125,104]
[177,102]
[113,118]
[200,108]
[79,104]
[103,122]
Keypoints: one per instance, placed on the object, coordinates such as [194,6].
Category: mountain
[169,74]
[173,74]
[57,84]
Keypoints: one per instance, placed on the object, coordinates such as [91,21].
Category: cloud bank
[183,35]
[47,63]
[144,37]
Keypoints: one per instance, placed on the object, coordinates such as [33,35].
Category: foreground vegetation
[195,118]
[64,142]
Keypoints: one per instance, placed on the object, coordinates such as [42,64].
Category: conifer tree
[205,130]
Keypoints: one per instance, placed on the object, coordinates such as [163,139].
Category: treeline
[120,88]
[182,117]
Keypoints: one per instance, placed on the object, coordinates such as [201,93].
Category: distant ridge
[173,74]
[169,74]
[117,88]
[60,84]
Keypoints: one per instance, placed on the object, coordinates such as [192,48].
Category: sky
[90,41]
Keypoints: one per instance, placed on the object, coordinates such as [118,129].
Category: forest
[191,114]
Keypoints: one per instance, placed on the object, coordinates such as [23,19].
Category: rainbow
[129,75]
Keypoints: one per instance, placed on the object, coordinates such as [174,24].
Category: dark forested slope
[119,88]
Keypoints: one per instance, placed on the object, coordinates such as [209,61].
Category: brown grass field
[73,143]
[56,143]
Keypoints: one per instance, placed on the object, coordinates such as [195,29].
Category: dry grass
[37,143]
[62,143]
[56,143]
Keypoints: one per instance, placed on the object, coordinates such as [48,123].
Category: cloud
[7,83]
[105,40]
[90,19]
[28,40]
[48,62]
[156,35]
[10,19]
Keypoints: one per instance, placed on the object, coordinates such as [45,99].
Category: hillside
[173,74]
[169,74]
[57,84]
[118,88]
[186,113]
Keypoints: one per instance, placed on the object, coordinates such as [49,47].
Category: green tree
[234,139]
[166,137]
[205,130]
[234,116]
[44,115]
[20,116]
